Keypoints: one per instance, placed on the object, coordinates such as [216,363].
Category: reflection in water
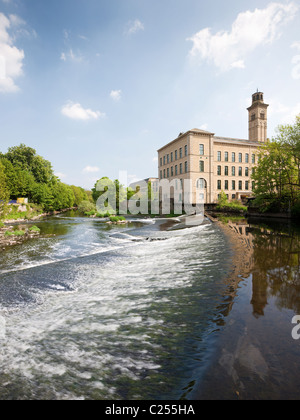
[256,357]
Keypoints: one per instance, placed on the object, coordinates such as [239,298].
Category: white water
[97,314]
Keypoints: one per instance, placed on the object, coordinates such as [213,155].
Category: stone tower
[258,118]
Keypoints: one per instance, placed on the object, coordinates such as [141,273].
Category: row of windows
[234,157]
[226,170]
[234,185]
[174,170]
[233,171]
[174,156]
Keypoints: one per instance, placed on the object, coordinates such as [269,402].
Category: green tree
[4,192]
[277,175]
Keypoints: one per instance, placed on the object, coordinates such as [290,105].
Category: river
[97,311]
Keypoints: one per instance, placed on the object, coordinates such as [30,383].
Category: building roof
[192,131]
[218,139]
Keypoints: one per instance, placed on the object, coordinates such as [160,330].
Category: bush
[8,233]
[1,225]
[34,229]
[19,233]
[116,219]
[86,207]
[234,206]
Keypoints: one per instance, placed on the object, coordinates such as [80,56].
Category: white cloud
[134,26]
[285,114]
[75,111]
[116,95]
[71,56]
[11,58]
[227,50]
[91,169]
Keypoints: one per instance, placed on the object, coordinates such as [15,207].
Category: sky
[98,86]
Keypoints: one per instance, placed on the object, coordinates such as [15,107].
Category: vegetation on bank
[25,174]
[277,175]
[234,206]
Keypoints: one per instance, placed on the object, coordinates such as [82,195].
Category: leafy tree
[277,175]
[4,192]
[115,191]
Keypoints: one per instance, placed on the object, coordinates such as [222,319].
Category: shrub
[19,233]
[1,225]
[86,207]
[34,229]
[8,233]
[116,219]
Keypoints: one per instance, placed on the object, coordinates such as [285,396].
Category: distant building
[143,184]
[216,164]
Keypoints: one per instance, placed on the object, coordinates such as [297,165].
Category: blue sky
[97,86]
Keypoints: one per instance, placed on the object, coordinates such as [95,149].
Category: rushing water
[92,311]
[97,311]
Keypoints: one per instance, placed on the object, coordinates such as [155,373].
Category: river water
[97,311]
[108,312]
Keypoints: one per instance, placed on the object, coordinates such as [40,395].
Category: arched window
[201,184]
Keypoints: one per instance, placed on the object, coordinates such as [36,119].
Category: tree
[26,159]
[116,192]
[4,192]
[277,175]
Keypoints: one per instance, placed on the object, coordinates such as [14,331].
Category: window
[168,158]
[164,160]
[240,185]
[219,185]
[201,184]
[253,171]
[185,167]
[233,185]
[219,156]
[172,171]
[176,170]
[247,185]
[226,185]
[201,149]
[252,117]
[226,157]
[176,155]
[240,157]
[180,153]
[180,168]
[246,171]
[185,150]
[164,173]
[233,157]
[240,171]
[201,168]
[233,171]
[247,157]
[172,157]
[160,174]
[160,161]
[226,170]
[168,173]
[262,116]
[253,159]
[233,196]
[219,170]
